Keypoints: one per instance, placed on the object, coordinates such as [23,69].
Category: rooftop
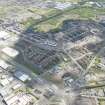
[22,76]
[10,51]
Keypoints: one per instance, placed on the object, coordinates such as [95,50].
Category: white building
[3,64]
[4,82]
[4,35]
[61,6]
[22,76]
[17,86]
[10,51]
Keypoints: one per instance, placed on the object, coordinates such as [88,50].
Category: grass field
[101,102]
[42,11]
[78,13]
[88,12]
[83,12]
[98,0]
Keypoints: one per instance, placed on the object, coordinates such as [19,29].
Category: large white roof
[4,82]
[22,76]
[4,34]
[10,51]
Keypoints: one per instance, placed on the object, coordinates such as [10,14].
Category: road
[83,56]
[91,63]
[79,66]
[83,71]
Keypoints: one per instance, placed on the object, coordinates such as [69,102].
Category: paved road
[91,63]
[83,56]
[81,68]
[84,72]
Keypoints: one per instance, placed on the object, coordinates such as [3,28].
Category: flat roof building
[21,76]
[3,64]
[10,51]
[4,35]
[17,86]
[4,82]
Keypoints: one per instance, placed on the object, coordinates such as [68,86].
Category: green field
[53,18]
[85,13]
[42,11]
[102,102]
